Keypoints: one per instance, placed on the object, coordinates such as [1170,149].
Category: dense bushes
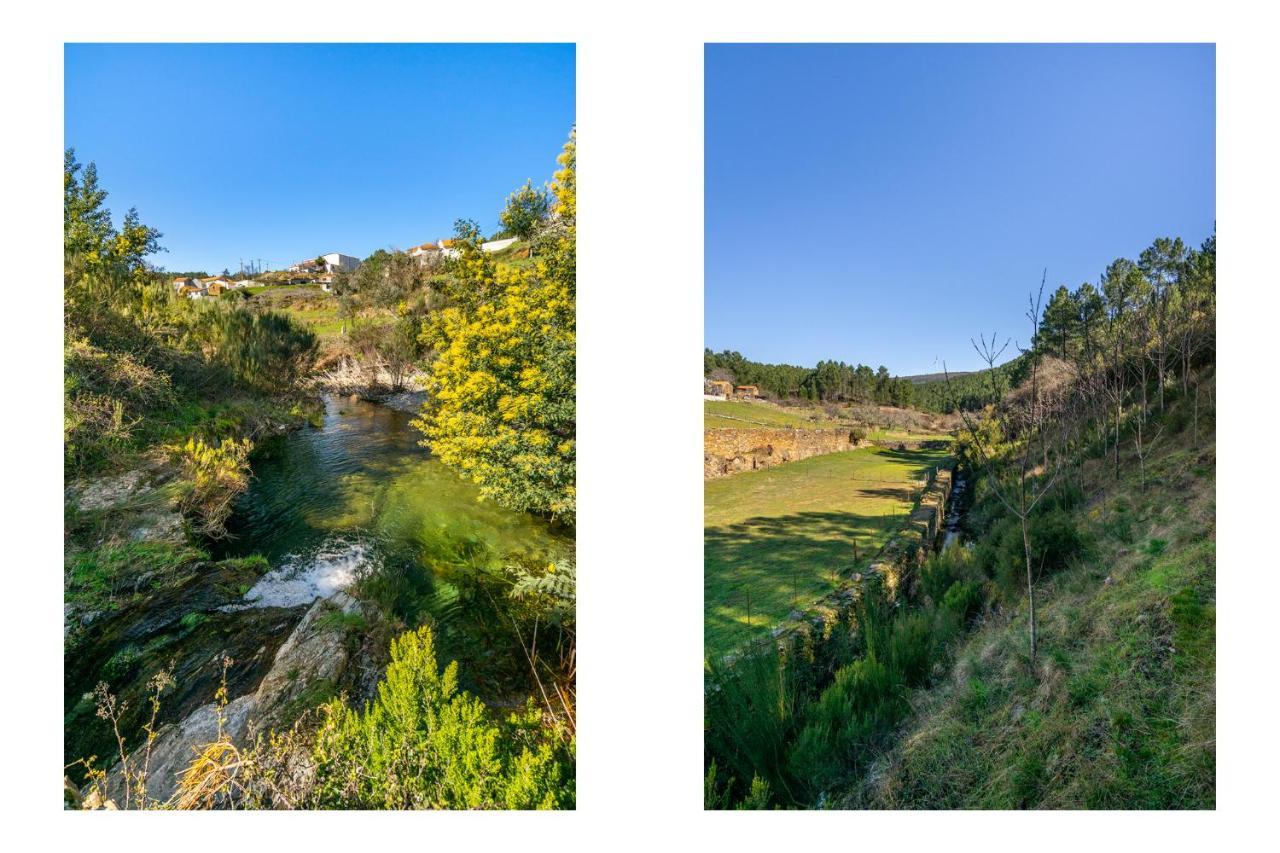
[138,357]
[770,719]
[423,744]
[1055,541]
[267,352]
[868,697]
[865,699]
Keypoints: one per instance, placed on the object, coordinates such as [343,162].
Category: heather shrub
[423,744]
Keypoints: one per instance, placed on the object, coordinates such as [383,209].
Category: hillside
[1121,710]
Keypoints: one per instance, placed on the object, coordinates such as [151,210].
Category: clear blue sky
[282,152]
[884,203]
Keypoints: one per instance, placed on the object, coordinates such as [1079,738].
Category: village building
[497,245]
[447,248]
[331,262]
[746,392]
[716,389]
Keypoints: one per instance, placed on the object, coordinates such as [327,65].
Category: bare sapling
[1024,417]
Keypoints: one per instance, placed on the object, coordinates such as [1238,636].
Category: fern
[560,582]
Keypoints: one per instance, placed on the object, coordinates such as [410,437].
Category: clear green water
[356,503]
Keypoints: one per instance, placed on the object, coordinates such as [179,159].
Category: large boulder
[310,665]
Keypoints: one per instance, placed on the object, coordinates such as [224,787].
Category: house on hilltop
[497,245]
[331,262]
[448,248]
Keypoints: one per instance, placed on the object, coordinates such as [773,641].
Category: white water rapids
[301,580]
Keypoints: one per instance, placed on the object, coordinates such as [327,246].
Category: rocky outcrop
[175,747]
[315,654]
[310,666]
[144,510]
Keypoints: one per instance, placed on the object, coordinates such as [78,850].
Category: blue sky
[282,152]
[885,203]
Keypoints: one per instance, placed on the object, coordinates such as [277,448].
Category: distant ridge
[922,378]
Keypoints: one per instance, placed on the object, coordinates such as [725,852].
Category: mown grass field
[779,539]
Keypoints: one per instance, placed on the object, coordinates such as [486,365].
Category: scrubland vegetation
[1064,656]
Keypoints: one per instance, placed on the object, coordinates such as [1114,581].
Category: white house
[496,245]
[335,261]
[330,262]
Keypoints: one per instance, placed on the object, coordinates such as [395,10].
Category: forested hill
[828,382]
[838,382]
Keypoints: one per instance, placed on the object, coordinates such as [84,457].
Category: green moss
[337,620]
[121,664]
[105,576]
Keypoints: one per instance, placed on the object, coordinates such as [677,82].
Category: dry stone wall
[730,450]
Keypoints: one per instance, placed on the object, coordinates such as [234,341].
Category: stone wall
[729,450]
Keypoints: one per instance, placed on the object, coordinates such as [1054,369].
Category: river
[955,513]
[355,503]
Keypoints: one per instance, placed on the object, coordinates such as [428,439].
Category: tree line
[827,382]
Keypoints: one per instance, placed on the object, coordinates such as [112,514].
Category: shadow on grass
[756,572]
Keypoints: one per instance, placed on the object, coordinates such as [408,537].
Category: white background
[640,481]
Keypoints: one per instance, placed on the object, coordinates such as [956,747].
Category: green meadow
[779,539]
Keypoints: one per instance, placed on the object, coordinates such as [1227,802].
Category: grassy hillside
[1121,710]
[783,537]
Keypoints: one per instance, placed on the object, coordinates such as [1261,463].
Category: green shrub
[423,744]
[911,647]
[864,701]
[217,474]
[941,570]
[266,351]
[965,599]
[750,712]
[1055,542]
